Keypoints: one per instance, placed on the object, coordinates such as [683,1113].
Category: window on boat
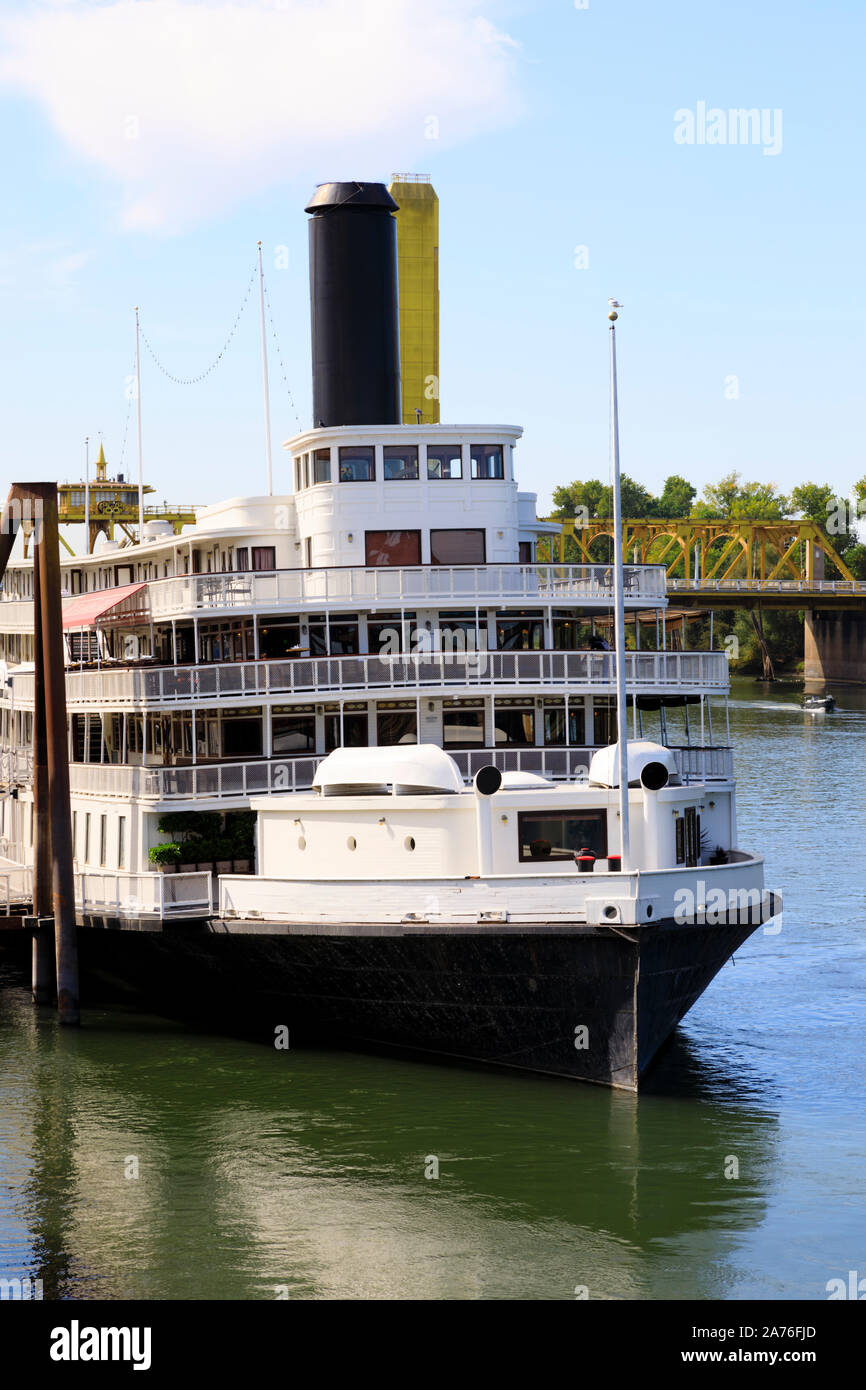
[241,733]
[357,464]
[348,732]
[228,641]
[463,547]
[281,637]
[293,729]
[392,547]
[264,557]
[444,461]
[242,555]
[321,466]
[400,463]
[486,461]
[514,722]
[524,552]
[385,633]
[121,842]
[688,835]
[207,735]
[519,632]
[396,722]
[463,724]
[83,646]
[87,740]
[561,729]
[543,836]
[603,720]
[461,631]
[343,629]
[567,632]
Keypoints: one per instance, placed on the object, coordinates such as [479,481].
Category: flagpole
[87,494]
[619,603]
[138,412]
[265,377]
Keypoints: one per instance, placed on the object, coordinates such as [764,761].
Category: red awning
[84,611]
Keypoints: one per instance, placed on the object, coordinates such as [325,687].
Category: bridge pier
[835,647]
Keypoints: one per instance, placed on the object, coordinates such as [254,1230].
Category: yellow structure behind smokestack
[418,273]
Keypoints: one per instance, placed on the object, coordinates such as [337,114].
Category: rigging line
[194,380]
[130,397]
[280,355]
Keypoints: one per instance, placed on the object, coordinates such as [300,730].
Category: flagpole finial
[614,305]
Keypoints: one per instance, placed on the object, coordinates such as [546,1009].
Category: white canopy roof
[416,766]
[604,767]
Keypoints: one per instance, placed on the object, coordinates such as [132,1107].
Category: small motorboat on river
[819,704]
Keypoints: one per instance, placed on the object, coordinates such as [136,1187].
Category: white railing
[241,780]
[382,584]
[316,676]
[572,764]
[770,586]
[16,886]
[705,764]
[144,894]
[16,765]
[16,614]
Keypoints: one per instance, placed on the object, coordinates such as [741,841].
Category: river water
[139,1159]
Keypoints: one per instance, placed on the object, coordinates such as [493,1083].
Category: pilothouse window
[444,462]
[487,461]
[400,462]
[357,464]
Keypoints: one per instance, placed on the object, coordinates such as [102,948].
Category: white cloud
[44,268]
[190,105]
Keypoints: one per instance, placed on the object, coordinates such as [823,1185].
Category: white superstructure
[393,596]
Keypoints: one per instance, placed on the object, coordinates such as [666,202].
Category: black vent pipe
[354,307]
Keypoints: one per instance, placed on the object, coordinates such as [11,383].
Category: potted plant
[240,826]
[204,854]
[223,855]
[165,857]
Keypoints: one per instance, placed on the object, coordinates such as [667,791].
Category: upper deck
[367,588]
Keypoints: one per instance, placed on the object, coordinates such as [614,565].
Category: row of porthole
[352,843]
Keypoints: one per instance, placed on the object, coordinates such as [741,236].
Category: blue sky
[149,144]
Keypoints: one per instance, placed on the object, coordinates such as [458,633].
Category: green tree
[816,501]
[636,499]
[742,501]
[676,499]
[568,499]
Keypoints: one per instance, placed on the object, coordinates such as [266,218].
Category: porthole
[610,912]
[351,843]
[302,844]
[409,842]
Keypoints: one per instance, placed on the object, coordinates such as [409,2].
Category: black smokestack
[353,294]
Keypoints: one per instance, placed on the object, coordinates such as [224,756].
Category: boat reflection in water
[313,1174]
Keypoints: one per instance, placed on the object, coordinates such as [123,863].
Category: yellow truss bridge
[780,562]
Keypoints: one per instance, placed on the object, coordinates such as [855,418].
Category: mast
[265,377]
[619,602]
[138,413]
[87,494]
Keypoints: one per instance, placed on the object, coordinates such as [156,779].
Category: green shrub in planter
[191,823]
[164,855]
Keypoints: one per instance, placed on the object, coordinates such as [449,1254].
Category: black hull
[512,996]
